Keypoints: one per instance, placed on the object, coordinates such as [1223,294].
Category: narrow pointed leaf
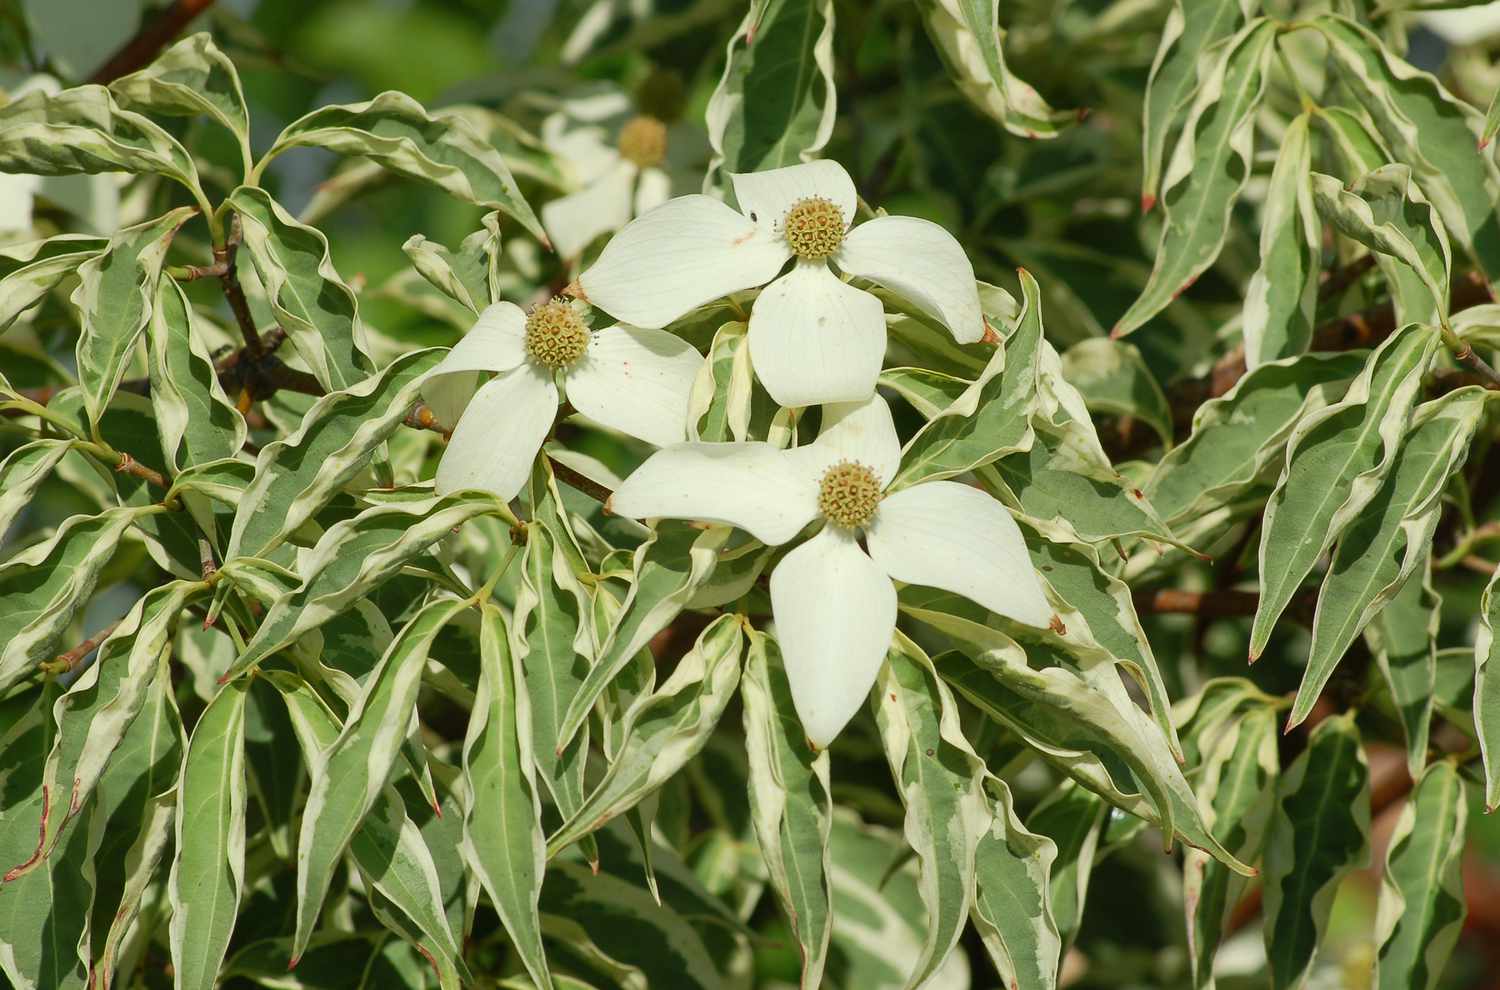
[1012,898]
[197,421]
[1281,299]
[191,77]
[29,271]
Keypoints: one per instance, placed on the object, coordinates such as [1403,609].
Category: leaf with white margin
[1192,29]
[968,35]
[1422,907]
[296,476]
[1391,537]
[1115,380]
[198,423]
[1236,438]
[1429,129]
[992,417]
[663,730]
[667,569]
[1281,299]
[462,275]
[1013,897]
[22,473]
[191,77]
[941,783]
[312,303]
[1207,170]
[1319,833]
[503,843]
[83,130]
[44,585]
[96,712]
[1235,792]
[353,557]
[441,147]
[1385,212]
[719,403]
[776,101]
[115,295]
[349,775]
[790,804]
[1073,817]
[1403,637]
[1336,460]
[208,871]
[29,271]
[1487,691]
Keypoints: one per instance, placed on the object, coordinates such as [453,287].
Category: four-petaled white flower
[616,179]
[813,337]
[833,601]
[632,380]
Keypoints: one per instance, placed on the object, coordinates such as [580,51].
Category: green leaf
[1487,692]
[992,417]
[22,473]
[1192,30]
[318,311]
[1319,833]
[137,802]
[553,648]
[666,570]
[1236,792]
[1429,129]
[663,730]
[1422,906]
[96,713]
[208,873]
[353,557]
[1207,170]
[968,35]
[44,917]
[296,476]
[719,405]
[776,101]
[1112,749]
[191,77]
[1013,899]
[1491,122]
[1282,297]
[29,271]
[462,275]
[1337,459]
[1072,816]
[503,842]
[1115,381]
[116,291]
[84,130]
[1386,213]
[44,585]
[1384,545]
[441,147]
[197,421]
[1237,437]
[350,773]
[790,804]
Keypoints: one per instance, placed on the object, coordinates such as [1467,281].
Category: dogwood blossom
[833,600]
[632,380]
[814,338]
[615,157]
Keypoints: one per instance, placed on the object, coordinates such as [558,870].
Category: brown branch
[1341,278]
[423,418]
[65,662]
[234,293]
[588,486]
[129,465]
[1220,603]
[153,36]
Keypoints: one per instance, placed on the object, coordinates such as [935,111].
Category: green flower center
[555,334]
[643,140]
[814,228]
[849,494]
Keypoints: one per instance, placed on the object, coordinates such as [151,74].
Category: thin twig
[599,493]
[234,293]
[65,662]
[423,418]
[1220,603]
[153,36]
[129,465]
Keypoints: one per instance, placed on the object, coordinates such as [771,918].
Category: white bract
[616,178]
[832,599]
[813,337]
[632,380]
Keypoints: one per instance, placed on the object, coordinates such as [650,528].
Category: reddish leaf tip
[292,964]
[1148,202]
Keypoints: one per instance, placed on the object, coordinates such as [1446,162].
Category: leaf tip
[292,963]
[1148,202]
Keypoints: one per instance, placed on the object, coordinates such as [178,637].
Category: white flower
[813,337]
[617,179]
[632,380]
[833,601]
